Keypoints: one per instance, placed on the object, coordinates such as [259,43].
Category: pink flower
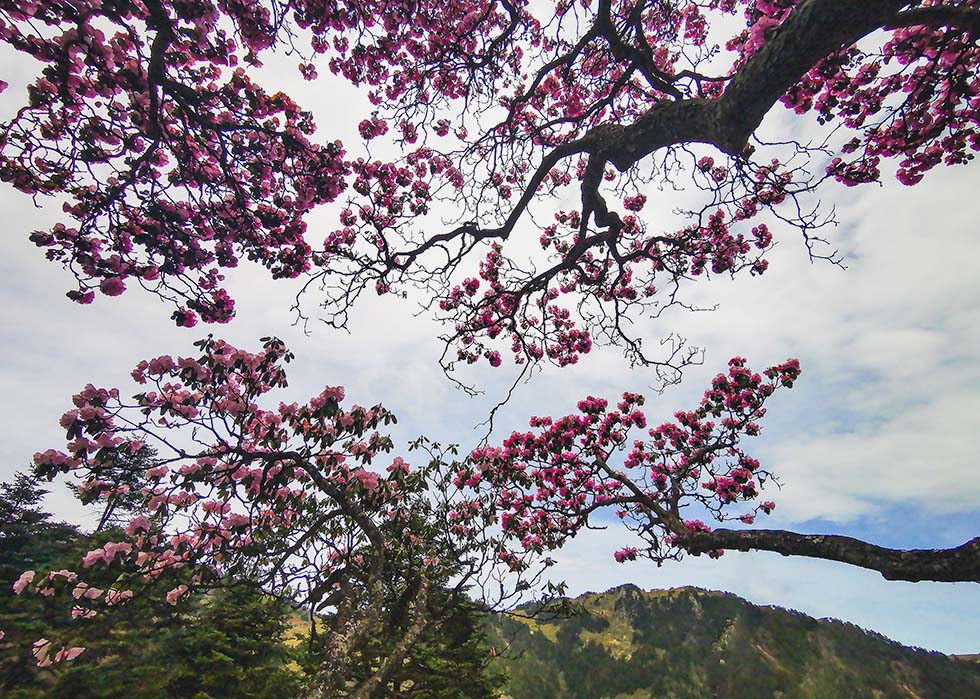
[368,479]
[22,582]
[114,597]
[635,203]
[335,392]
[42,647]
[176,594]
[112,548]
[69,653]
[82,613]
[138,524]
[68,419]
[184,318]
[93,557]
[625,554]
[82,297]
[51,457]
[372,128]
[397,465]
[696,525]
[236,520]
[112,286]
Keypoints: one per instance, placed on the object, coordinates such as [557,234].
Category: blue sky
[877,440]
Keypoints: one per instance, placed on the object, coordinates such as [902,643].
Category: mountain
[694,644]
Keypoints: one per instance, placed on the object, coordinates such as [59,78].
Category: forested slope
[693,644]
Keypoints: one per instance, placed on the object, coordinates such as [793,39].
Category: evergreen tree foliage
[232,642]
[226,644]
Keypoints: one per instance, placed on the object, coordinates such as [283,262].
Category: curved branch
[960,564]
[814,30]
[937,16]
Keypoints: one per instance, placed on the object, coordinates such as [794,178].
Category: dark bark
[814,30]
[963,18]
[960,564]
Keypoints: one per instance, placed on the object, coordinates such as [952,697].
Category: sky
[877,440]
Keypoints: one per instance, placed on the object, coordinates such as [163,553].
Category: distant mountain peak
[691,643]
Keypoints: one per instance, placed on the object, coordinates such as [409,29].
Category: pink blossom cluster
[930,72]
[498,313]
[45,658]
[174,162]
[501,305]
[599,84]
[548,482]
[258,485]
[762,17]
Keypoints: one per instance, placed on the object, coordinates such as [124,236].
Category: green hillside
[693,644]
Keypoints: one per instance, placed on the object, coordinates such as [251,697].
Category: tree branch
[963,18]
[960,564]
[814,30]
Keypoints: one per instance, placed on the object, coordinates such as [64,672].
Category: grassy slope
[688,643]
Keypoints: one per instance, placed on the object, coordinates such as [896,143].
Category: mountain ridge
[689,643]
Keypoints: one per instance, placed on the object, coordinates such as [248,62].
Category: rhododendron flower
[92,557]
[184,318]
[114,597]
[398,465]
[68,653]
[635,203]
[82,613]
[112,286]
[334,393]
[371,128]
[138,524]
[176,593]
[368,479]
[625,554]
[25,578]
[52,457]
[42,647]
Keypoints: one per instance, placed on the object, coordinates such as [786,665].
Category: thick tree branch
[960,564]
[964,18]
[814,30]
